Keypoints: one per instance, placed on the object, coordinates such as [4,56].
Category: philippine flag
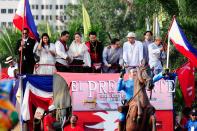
[24,19]
[181,43]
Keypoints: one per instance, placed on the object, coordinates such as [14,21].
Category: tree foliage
[8,39]
[107,15]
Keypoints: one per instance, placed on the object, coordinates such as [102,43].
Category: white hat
[8,59]
[158,38]
[51,108]
[131,34]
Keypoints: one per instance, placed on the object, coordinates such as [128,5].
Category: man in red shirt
[73,124]
[49,119]
[95,48]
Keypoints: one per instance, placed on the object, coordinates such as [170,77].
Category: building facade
[7,11]
[43,11]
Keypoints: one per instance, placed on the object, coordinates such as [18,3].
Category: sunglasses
[25,33]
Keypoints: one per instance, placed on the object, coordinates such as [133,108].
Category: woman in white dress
[80,54]
[46,51]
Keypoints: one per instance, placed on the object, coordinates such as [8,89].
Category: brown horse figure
[140,116]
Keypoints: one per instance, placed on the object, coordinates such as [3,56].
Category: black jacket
[28,56]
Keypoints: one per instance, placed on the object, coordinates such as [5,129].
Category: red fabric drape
[187,82]
[37,101]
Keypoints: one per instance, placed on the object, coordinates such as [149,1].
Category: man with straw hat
[12,66]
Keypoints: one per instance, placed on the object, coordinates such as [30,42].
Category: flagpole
[21,54]
[168,53]
[21,61]
[168,46]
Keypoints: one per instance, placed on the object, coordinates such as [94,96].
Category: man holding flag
[23,20]
[26,46]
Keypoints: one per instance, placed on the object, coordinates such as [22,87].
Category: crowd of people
[91,56]
[188,122]
[50,123]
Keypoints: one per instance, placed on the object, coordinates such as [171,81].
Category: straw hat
[8,59]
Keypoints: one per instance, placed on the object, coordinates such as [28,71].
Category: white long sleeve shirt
[62,54]
[154,56]
[12,69]
[82,50]
[133,53]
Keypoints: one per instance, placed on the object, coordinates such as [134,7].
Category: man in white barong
[132,52]
[62,57]
[156,55]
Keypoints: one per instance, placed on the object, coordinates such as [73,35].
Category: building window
[33,6]
[47,6]
[50,17]
[51,6]
[64,17]
[64,6]
[36,17]
[57,17]
[42,6]
[10,24]
[42,17]
[61,18]
[61,6]
[3,24]
[3,11]
[10,11]
[36,6]
[56,7]
[47,17]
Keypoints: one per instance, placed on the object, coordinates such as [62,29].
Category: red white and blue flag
[24,19]
[181,43]
[37,92]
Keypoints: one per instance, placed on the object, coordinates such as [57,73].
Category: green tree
[107,15]
[8,39]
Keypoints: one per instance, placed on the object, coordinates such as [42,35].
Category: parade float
[93,97]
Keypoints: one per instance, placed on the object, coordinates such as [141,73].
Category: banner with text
[94,92]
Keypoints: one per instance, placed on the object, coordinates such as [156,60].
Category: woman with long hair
[46,51]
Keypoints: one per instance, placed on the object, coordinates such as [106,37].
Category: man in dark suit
[26,46]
